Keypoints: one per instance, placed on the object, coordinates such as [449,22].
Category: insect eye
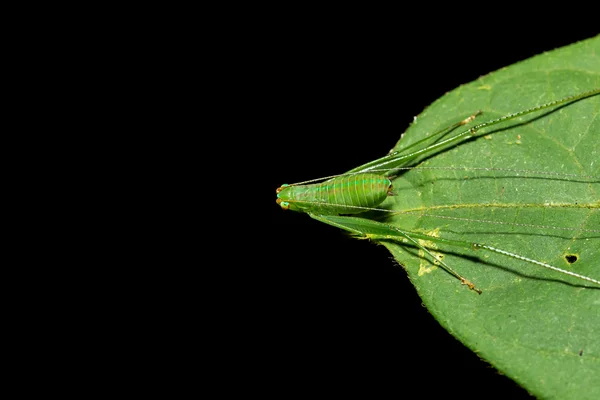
[284,204]
[279,189]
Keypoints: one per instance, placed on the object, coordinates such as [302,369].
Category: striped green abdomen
[350,194]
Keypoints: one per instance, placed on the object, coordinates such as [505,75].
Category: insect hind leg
[370,229]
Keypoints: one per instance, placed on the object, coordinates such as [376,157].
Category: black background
[340,92]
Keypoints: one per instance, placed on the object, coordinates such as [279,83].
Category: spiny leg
[377,230]
[380,231]
[536,262]
[444,131]
[475,246]
[463,280]
[394,155]
[398,158]
[471,132]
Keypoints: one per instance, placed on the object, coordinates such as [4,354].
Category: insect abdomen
[350,194]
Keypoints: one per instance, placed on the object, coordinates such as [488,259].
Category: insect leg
[380,231]
[377,230]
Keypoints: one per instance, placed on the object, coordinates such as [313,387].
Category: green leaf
[538,327]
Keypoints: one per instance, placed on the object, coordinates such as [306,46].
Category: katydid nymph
[343,200]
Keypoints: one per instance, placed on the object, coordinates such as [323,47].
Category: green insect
[339,200]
